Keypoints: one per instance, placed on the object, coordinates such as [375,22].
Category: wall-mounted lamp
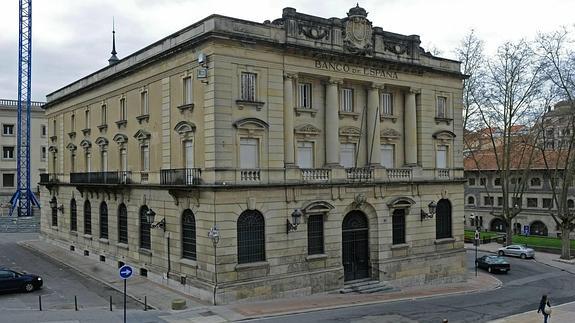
[150,215]
[61,208]
[214,235]
[54,205]
[295,217]
[429,215]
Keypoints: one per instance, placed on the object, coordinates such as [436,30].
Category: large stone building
[8,144]
[233,131]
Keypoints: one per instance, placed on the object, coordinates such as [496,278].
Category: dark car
[493,263]
[13,280]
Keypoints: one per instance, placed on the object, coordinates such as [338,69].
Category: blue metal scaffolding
[23,199]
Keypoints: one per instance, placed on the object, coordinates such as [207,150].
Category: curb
[24,244]
[401,299]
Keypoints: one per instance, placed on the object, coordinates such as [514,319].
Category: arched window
[54,204]
[471,200]
[538,228]
[398,226]
[443,219]
[87,217]
[251,237]
[315,234]
[497,225]
[103,220]
[73,216]
[145,240]
[188,235]
[122,224]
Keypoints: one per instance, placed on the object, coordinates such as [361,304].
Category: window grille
[304,93]
[188,235]
[104,114]
[122,224]
[73,216]
[315,241]
[144,104]
[54,212]
[103,220]
[346,100]
[441,107]
[248,87]
[386,104]
[443,219]
[145,156]
[123,112]
[251,237]
[187,90]
[87,217]
[145,239]
[398,225]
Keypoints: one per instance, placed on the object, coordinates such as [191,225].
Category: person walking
[544,308]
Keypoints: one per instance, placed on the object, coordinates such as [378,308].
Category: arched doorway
[355,246]
[538,228]
[497,225]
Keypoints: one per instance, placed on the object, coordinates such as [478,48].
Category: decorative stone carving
[86,144]
[444,136]
[120,138]
[307,130]
[71,147]
[350,133]
[142,135]
[101,141]
[185,127]
[251,125]
[358,31]
[396,47]
[359,200]
[313,32]
[389,134]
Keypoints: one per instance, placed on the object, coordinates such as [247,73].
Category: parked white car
[516,250]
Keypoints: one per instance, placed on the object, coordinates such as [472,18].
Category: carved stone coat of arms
[358,32]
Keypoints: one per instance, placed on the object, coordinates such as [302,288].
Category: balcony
[399,174]
[443,173]
[115,178]
[315,174]
[50,178]
[250,175]
[180,176]
[360,174]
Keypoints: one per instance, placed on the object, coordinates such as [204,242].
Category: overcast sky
[72,38]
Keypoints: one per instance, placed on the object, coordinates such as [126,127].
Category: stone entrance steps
[365,286]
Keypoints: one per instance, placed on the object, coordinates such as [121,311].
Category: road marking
[530,279]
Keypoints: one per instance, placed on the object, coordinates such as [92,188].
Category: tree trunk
[508,234]
[565,243]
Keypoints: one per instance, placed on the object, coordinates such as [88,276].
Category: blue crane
[23,199]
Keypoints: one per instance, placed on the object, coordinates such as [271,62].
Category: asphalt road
[521,291]
[61,283]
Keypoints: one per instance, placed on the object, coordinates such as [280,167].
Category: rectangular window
[441,108]
[249,153]
[347,155]
[398,226]
[500,200]
[189,153]
[497,181]
[8,152]
[103,115]
[87,125]
[123,112]
[488,200]
[315,234]
[54,127]
[531,202]
[8,129]
[145,158]
[248,86]
[516,201]
[386,103]
[8,180]
[88,162]
[304,95]
[441,157]
[104,160]
[123,159]
[187,90]
[547,203]
[43,130]
[72,123]
[471,181]
[346,100]
[388,156]
[144,104]
[43,153]
[482,181]
[72,162]
[305,154]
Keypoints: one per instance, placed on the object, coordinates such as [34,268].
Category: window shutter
[189,153]
[305,154]
[441,156]
[347,155]
[249,156]
[388,156]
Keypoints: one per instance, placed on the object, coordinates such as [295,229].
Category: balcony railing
[399,174]
[443,173]
[50,178]
[359,173]
[180,176]
[117,177]
[315,174]
[250,175]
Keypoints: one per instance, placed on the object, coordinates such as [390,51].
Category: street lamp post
[476,240]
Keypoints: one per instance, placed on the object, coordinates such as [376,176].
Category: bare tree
[470,53]
[507,99]
[558,60]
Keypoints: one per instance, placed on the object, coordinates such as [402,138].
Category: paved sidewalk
[564,313]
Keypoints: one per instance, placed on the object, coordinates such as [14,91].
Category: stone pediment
[53,149]
[400,202]
[444,135]
[101,141]
[71,147]
[142,135]
[350,132]
[86,144]
[251,123]
[317,207]
[120,138]
[389,134]
[307,130]
[185,127]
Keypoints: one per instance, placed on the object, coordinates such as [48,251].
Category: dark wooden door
[355,247]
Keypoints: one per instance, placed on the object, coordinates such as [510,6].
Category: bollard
[145,303]
[40,302]
[75,303]
[110,303]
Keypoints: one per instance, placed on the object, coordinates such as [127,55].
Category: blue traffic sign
[526,230]
[126,272]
